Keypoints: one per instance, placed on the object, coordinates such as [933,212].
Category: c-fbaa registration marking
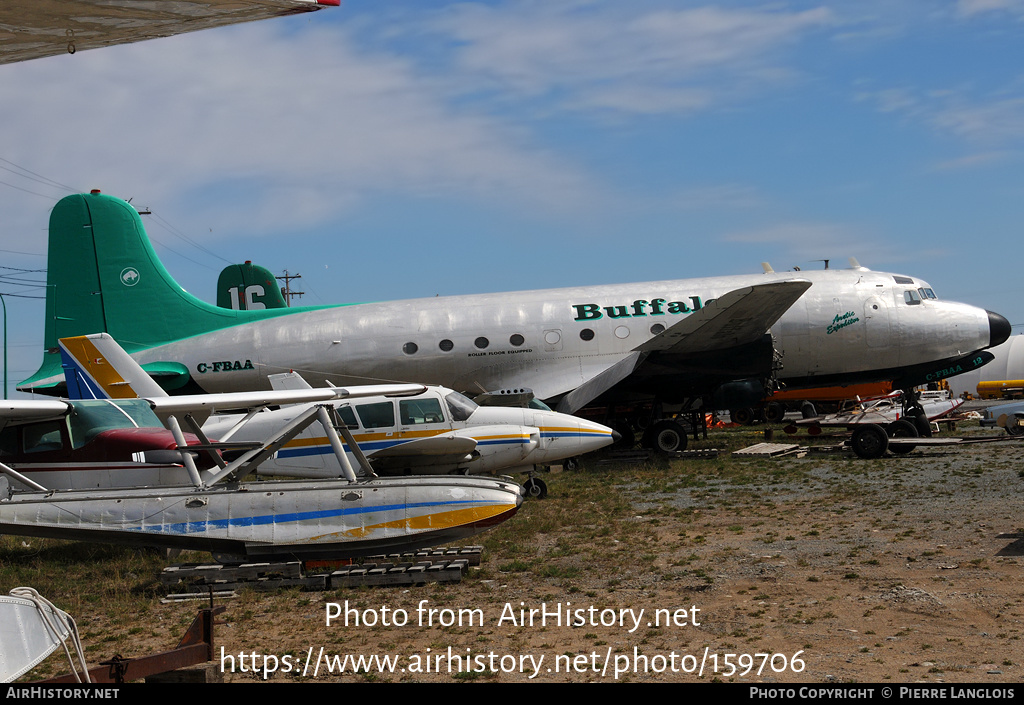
[224,366]
[640,307]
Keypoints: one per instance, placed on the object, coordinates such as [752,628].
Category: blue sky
[400,149]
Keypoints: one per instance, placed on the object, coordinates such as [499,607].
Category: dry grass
[880,570]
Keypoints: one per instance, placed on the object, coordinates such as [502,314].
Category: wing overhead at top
[737,318]
[32,29]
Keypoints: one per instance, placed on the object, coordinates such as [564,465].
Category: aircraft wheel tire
[902,429]
[1013,428]
[666,437]
[921,423]
[570,464]
[774,413]
[743,417]
[535,488]
[869,442]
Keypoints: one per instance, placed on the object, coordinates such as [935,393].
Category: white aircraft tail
[288,380]
[96,367]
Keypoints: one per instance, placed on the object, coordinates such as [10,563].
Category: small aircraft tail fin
[96,367]
[104,276]
[288,380]
[248,287]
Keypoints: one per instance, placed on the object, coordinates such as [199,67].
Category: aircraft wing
[736,318]
[202,405]
[31,409]
[32,29]
[739,317]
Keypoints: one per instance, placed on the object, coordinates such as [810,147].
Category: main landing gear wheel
[665,437]
[869,441]
[743,417]
[902,429]
[571,464]
[535,487]
[1012,424]
[774,413]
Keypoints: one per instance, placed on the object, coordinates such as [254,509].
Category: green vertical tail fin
[248,287]
[103,276]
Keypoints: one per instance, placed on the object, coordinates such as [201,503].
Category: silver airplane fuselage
[851,324]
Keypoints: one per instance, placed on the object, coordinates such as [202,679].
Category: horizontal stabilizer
[737,318]
[519,396]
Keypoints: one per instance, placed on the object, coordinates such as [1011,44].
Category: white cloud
[975,7]
[798,237]
[600,56]
[296,127]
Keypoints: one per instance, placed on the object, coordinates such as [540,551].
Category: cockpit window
[911,297]
[460,406]
[903,280]
[929,293]
[347,416]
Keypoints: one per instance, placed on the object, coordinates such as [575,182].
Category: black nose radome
[999,329]
[616,436]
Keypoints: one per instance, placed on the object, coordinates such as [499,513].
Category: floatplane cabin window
[417,411]
[42,437]
[377,415]
[911,297]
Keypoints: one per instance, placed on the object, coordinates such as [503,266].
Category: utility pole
[286,291]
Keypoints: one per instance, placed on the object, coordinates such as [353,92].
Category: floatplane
[162,487]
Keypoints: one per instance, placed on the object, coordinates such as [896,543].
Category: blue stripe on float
[190,527]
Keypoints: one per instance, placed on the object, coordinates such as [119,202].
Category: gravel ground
[818,569]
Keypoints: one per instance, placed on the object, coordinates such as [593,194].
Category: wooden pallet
[414,568]
[767,450]
[696,453]
[632,455]
[401,574]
